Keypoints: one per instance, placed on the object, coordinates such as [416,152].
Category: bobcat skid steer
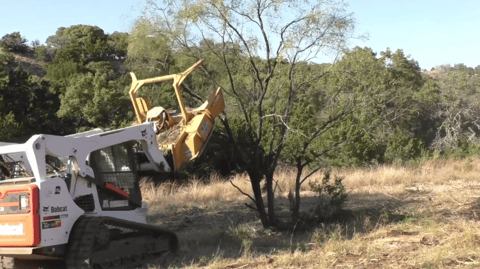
[78,198]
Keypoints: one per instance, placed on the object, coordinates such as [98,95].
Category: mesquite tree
[260,53]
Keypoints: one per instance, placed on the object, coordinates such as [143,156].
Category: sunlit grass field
[423,216]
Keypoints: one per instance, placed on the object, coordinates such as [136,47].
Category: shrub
[331,196]
[6,57]
[14,42]
[43,53]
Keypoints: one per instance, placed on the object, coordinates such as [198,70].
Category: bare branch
[277,185]
[251,207]
[242,192]
[284,123]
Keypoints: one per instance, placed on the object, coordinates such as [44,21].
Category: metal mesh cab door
[116,177]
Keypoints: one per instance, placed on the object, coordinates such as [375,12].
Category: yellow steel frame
[197,123]
[142,106]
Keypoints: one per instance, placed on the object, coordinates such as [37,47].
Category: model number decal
[51,224]
[63,216]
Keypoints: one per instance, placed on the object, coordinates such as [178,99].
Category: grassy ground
[395,217]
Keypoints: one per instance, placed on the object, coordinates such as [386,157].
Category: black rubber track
[82,240]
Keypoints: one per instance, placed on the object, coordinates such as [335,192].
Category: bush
[402,147]
[43,53]
[331,196]
[6,57]
[14,42]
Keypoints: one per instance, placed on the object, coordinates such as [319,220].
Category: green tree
[458,111]
[94,101]
[267,38]
[14,42]
[394,102]
[30,102]
[79,43]
[91,93]
[118,44]
[150,55]
[8,126]
[60,72]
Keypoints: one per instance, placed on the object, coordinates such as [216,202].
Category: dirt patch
[28,63]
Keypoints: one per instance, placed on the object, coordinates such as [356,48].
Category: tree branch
[242,192]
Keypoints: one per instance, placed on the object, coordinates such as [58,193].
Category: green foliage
[91,95]
[60,72]
[402,147]
[102,67]
[149,47]
[387,98]
[14,42]
[28,105]
[331,196]
[118,44]
[44,53]
[463,149]
[361,148]
[5,58]
[458,109]
[79,42]
[94,101]
[41,53]
[9,128]
[336,190]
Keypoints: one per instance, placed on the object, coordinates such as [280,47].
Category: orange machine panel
[19,216]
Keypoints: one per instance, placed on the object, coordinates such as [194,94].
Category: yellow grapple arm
[188,134]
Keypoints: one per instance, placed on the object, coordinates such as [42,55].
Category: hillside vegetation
[405,113]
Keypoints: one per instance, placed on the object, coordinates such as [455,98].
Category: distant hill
[28,62]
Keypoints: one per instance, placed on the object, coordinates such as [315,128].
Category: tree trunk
[255,179]
[296,206]
[271,200]
[255,176]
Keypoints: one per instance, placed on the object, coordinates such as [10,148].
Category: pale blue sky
[433,32]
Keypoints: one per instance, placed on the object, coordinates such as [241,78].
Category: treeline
[373,108]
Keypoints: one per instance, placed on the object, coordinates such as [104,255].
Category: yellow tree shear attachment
[186,132]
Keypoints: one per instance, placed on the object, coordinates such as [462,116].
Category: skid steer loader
[78,198]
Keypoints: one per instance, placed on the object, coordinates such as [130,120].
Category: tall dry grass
[396,178]
[380,179]
[439,200]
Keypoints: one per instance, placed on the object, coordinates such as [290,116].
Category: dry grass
[195,194]
[436,204]
[386,179]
